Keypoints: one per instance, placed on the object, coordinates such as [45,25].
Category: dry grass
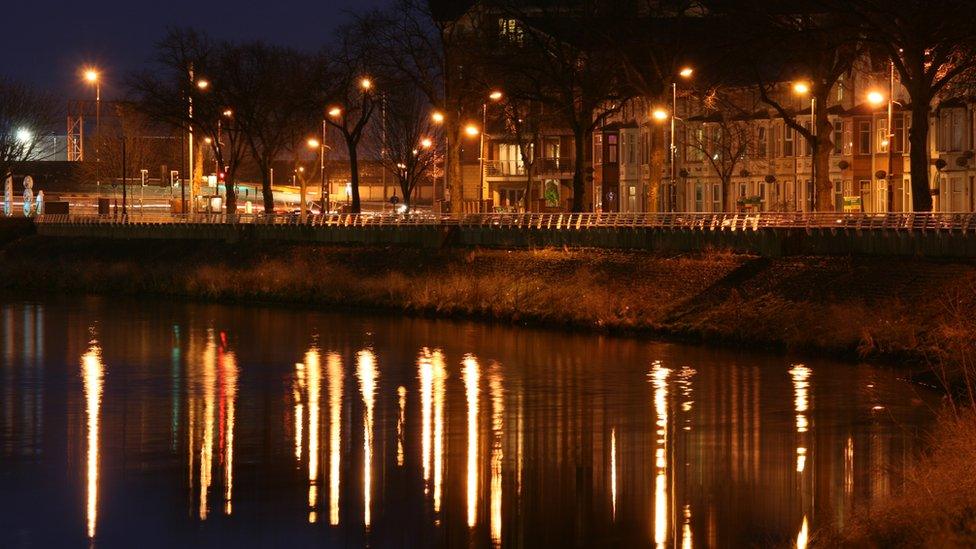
[938,505]
[840,305]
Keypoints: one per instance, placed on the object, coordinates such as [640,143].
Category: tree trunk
[728,194]
[528,186]
[579,171]
[266,193]
[656,168]
[453,191]
[918,138]
[356,206]
[231,194]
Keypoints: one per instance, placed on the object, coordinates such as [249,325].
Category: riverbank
[885,308]
[936,506]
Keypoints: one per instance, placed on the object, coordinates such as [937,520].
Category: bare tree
[565,64]
[930,43]
[184,60]
[725,137]
[27,118]
[431,44]
[407,141]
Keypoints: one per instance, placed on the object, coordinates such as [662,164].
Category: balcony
[504,168]
[501,169]
[554,165]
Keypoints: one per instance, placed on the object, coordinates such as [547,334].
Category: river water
[127,424]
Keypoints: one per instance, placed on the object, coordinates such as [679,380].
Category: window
[716,198]
[951,129]
[787,141]
[838,136]
[598,149]
[848,140]
[882,136]
[510,30]
[761,143]
[611,149]
[899,131]
[864,137]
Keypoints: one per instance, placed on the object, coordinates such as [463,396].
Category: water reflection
[366,373]
[495,381]
[212,419]
[336,376]
[471,435]
[471,376]
[92,372]
[659,379]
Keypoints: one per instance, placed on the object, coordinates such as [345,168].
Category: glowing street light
[875,97]
[660,115]
[313,143]
[437,117]
[803,88]
[228,113]
[23,135]
[203,84]
[471,130]
[91,75]
[366,84]
[207,140]
[495,95]
[426,143]
[686,72]
[335,112]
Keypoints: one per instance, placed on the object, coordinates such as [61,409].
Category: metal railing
[953,222]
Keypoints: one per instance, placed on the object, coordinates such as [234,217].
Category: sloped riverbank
[858,307]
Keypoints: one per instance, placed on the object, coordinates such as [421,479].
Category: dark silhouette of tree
[813,47]
[27,118]
[931,43]
[164,94]
[407,142]
[560,52]
[430,45]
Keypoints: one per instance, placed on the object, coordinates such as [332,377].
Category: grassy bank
[856,306]
[937,507]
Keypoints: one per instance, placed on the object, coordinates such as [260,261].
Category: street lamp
[426,143]
[203,84]
[661,115]
[876,98]
[471,130]
[92,77]
[365,83]
[23,135]
[335,112]
[437,117]
[495,96]
[803,88]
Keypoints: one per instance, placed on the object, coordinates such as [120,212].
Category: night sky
[46,42]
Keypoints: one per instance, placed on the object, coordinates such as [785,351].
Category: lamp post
[92,77]
[685,73]
[876,98]
[495,96]
[437,117]
[802,88]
